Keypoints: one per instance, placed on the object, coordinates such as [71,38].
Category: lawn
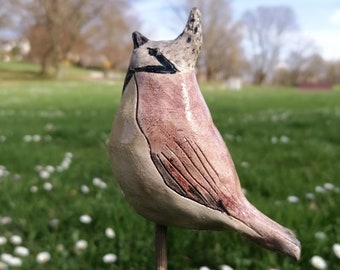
[54,169]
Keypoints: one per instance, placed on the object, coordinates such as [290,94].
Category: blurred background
[284,43]
[270,74]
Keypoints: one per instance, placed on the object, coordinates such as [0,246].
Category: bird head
[169,56]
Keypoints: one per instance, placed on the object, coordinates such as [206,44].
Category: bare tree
[110,35]
[333,72]
[6,13]
[314,69]
[299,59]
[267,28]
[58,26]
[222,55]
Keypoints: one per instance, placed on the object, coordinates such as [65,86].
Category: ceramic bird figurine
[168,157]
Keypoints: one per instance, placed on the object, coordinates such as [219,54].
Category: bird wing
[185,146]
[185,169]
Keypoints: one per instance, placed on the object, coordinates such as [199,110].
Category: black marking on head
[128,77]
[138,39]
[166,66]
[188,39]
[153,51]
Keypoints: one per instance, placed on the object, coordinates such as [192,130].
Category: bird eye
[153,51]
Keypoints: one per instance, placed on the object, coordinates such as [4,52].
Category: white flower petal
[84,189]
[5,257]
[81,245]
[244,164]
[328,186]
[48,186]
[69,155]
[2,138]
[50,168]
[319,189]
[86,219]
[109,258]
[27,138]
[320,235]
[110,233]
[274,140]
[3,240]
[293,199]
[310,196]
[36,138]
[5,220]
[318,262]
[284,139]
[49,126]
[226,267]
[99,183]
[21,251]
[54,223]
[14,261]
[44,174]
[43,257]
[336,249]
[34,189]
[10,260]
[15,239]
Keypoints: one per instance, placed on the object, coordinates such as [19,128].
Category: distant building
[14,49]
[234,83]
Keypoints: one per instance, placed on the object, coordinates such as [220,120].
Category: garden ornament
[168,157]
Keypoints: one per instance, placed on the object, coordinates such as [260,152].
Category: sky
[318,20]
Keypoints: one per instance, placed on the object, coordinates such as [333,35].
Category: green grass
[75,116]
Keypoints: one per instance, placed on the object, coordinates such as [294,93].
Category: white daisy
[43,257]
[336,249]
[27,138]
[319,189]
[320,235]
[44,174]
[36,138]
[3,240]
[110,233]
[109,258]
[318,262]
[81,245]
[34,189]
[21,251]
[15,239]
[293,199]
[84,189]
[328,186]
[48,186]
[226,267]
[86,219]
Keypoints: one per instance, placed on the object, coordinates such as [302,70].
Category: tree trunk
[44,66]
[259,77]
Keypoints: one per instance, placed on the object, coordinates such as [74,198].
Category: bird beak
[266,232]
